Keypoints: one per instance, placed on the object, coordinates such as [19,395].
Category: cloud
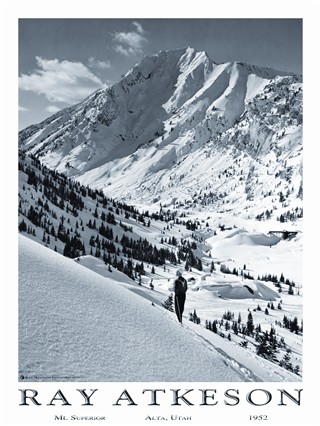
[22,109]
[132,42]
[127,51]
[52,109]
[65,81]
[100,65]
[138,27]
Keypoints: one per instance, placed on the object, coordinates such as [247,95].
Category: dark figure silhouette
[180,289]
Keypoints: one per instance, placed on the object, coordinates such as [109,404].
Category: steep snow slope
[76,325]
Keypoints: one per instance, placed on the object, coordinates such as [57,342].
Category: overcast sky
[61,61]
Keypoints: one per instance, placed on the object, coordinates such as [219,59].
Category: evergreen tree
[235,327]
[239,319]
[273,340]
[296,369]
[22,226]
[214,326]
[294,327]
[193,317]
[286,360]
[250,325]
[168,304]
[265,349]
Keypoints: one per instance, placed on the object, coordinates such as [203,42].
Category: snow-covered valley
[235,267]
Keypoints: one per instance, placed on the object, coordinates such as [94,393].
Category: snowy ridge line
[198,109]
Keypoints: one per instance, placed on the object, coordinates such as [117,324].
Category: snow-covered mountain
[179,127]
[184,163]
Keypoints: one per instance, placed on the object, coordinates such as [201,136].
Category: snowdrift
[241,237]
[75,325]
[255,290]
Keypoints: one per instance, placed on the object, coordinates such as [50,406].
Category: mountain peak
[165,57]
[185,57]
[168,108]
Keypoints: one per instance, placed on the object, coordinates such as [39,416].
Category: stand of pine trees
[267,345]
[61,199]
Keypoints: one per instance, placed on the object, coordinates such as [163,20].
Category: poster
[61,397]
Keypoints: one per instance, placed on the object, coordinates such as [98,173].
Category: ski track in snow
[258,371]
[229,362]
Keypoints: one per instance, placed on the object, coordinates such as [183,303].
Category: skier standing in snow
[180,289]
[151,285]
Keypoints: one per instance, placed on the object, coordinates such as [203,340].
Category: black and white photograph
[161,239]
[162,200]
